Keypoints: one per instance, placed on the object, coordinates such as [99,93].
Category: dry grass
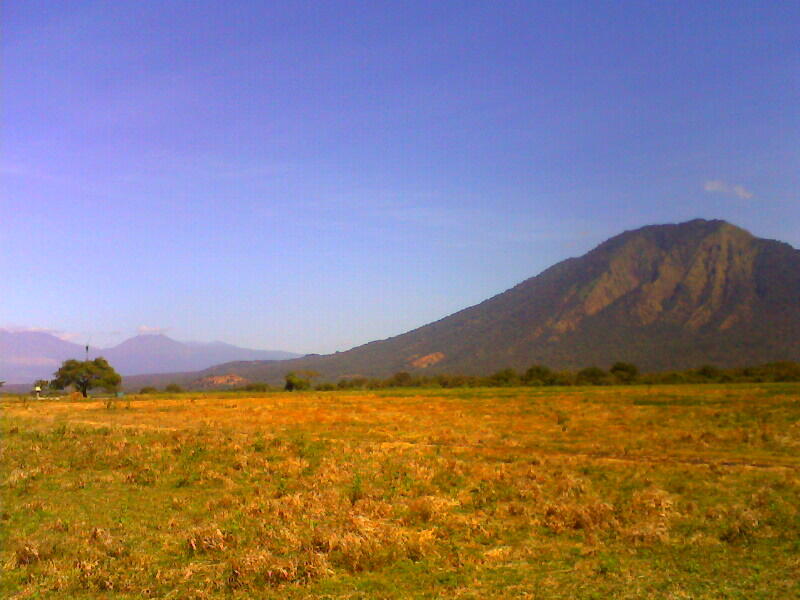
[669,492]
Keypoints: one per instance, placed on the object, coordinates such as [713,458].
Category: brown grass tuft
[208,539]
[590,516]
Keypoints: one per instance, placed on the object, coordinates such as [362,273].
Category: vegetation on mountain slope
[664,297]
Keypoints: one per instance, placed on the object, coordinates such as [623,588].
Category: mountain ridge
[29,355]
[662,296]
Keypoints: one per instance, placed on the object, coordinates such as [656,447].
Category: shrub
[591,376]
[504,378]
[402,379]
[257,387]
[295,382]
[539,375]
[709,372]
[624,372]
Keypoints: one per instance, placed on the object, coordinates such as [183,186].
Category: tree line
[621,373]
[86,375]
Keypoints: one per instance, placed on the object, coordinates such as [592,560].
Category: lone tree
[85,375]
[299,380]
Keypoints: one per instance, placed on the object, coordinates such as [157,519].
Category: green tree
[86,375]
[539,375]
[173,388]
[624,372]
[401,379]
[505,377]
[709,372]
[591,376]
[298,380]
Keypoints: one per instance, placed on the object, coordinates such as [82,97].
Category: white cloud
[742,193]
[149,330]
[717,186]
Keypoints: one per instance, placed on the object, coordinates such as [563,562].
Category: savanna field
[606,492]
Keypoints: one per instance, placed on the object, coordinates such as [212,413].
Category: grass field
[613,492]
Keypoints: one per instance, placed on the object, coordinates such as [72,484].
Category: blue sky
[312,176]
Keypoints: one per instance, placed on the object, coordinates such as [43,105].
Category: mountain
[157,353]
[27,355]
[663,297]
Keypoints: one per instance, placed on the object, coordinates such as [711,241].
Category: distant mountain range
[26,356]
[663,297]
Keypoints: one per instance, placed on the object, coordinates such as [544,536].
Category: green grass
[626,492]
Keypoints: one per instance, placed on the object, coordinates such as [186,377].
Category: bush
[353,383]
[453,381]
[709,372]
[503,378]
[148,390]
[401,379]
[173,388]
[591,376]
[539,375]
[295,382]
[624,372]
[257,387]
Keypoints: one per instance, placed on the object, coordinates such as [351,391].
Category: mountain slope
[664,296]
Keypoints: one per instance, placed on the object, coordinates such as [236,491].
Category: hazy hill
[26,355]
[663,296]
[161,354]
